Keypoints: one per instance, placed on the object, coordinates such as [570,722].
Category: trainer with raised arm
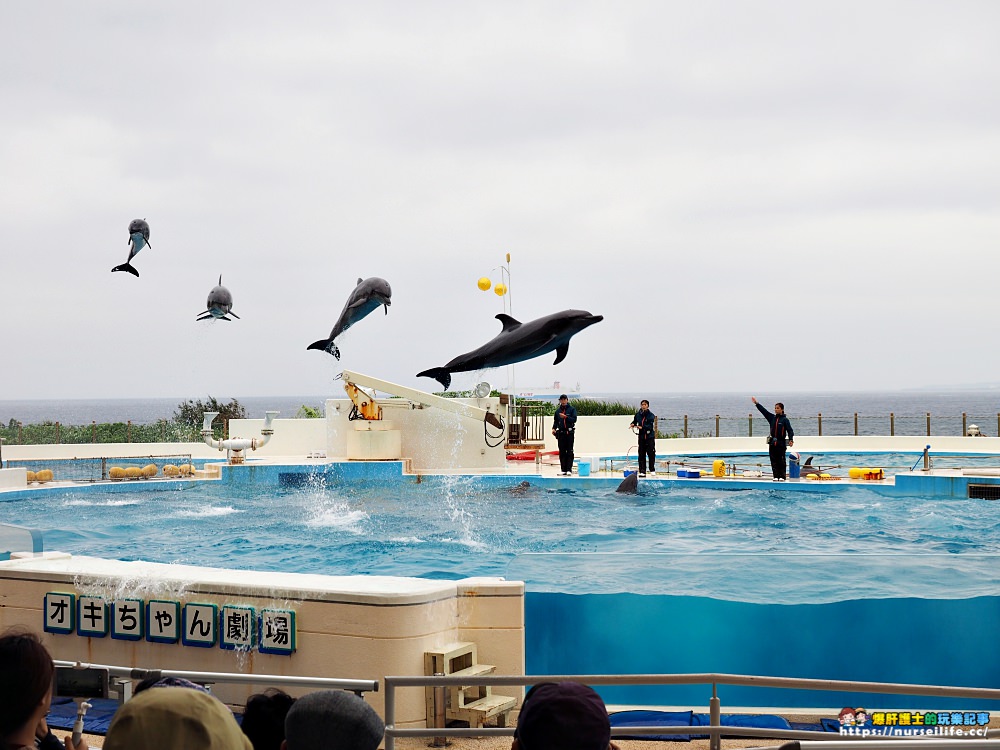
[644,425]
[779,437]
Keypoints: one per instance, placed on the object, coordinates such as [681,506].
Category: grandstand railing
[715,730]
[127,674]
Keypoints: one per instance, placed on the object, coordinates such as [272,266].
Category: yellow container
[718,468]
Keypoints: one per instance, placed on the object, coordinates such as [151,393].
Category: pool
[850,584]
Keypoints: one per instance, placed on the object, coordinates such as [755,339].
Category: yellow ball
[186,469]
[150,470]
[500,289]
[117,472]
[485,283]
[169,470]
[855,473]
[31,475]
[45,475]
[133,472]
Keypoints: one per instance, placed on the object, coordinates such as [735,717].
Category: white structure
[235,446]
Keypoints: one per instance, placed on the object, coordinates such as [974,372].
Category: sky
[758,196]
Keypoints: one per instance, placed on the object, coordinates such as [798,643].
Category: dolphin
[518,342]
[220,304]
[365,299]
[630,485]
[138,238]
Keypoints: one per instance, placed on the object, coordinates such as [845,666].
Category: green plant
[191,413]
[309,412]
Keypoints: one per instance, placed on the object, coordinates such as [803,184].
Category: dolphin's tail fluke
[325,345]
[126,267]
[440,374]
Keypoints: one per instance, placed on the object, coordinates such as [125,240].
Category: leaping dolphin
[365,299]
[518,342]
[138,238]
[220,304]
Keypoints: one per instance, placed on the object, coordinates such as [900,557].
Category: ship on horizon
[544,393]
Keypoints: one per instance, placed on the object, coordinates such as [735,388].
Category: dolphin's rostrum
[138,238]
[367,296]
[518,342]
[220,304]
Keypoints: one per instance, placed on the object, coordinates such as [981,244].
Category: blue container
[794,467]
[583,468]
[629,473]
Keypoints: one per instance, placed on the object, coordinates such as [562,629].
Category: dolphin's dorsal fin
[509,323]
[359,281]
[220,279]
[561,353]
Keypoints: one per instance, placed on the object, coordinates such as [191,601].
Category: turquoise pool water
[850,584]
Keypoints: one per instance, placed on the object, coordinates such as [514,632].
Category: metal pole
[855,424]
[717,425]
[964,430]
[928,424]
[58,436]
[439,712]
[128,432]
[715,719]
[93,432]
[819,422]
[750,423]
[390,715]
[927,458]
[686,424]
[892,423]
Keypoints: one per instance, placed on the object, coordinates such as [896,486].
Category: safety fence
[57,433]
[99,469]
[985,738]
[926,424]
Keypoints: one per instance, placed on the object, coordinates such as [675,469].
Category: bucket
[583,468]
[794,467]
[629,473]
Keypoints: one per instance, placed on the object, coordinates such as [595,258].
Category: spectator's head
[158,682]
[562,716]
[26,672]
[175,718]
[334,720]
[264,718]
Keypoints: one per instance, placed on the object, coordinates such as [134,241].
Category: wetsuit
[780,432]
[564,425]
[645,422]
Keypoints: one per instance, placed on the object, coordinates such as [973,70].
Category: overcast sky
[759,197]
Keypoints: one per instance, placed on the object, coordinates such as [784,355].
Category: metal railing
[526,424]
[127,674]
[95,469]
[855,424]
[715,729]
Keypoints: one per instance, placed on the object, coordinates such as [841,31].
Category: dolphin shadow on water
[138,238]
[368,296]
[518,342]
[220,304]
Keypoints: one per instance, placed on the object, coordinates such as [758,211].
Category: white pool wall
[351,627]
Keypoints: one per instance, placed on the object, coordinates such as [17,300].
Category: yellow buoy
[718,468]
[133,472]
[169,470]
[855,473]
[500,289]
[150,470]
[117,472]
[484,284]
[31,476]
[43,476]
[186,469]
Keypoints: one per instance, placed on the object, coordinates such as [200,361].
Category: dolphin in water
[630,485]
[367,296]
[518,342]
[138,238]
[220,304]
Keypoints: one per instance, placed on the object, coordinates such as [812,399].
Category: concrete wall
[353,627]
[16,478]
[434,440]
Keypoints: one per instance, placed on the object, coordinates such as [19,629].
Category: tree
[191,413]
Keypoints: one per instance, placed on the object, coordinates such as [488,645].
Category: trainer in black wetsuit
[779,434]
[644,423]
[564,428]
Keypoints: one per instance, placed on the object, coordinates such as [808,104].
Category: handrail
[331,683]
[714,729]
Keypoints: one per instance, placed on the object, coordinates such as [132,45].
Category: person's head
[846,715]
[564,399]
[264,718]
[562,716]
[159,682]
[779,408]
[334,719]
[26,672]
[644,404]
[174,718]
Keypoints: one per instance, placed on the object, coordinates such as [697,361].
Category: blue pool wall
[906,640]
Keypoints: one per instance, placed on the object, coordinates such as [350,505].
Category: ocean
[810,412]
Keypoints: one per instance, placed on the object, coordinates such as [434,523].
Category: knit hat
[332,720]
[175,718]
[563,716]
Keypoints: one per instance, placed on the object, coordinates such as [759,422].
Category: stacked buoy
[170,470]
[150,470]
[31,476]
[186,469]
[117,472]
[43,476]
[133,472]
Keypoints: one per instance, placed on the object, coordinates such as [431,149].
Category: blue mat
[62,715]
[691,719]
